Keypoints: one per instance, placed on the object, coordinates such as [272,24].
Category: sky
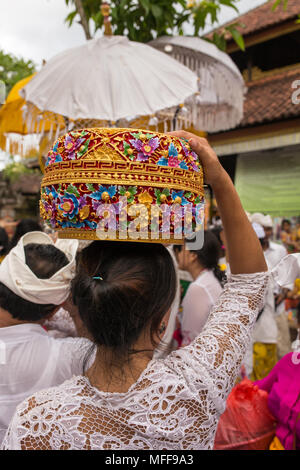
[35,29]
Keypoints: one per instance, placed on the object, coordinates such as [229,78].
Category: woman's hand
[213,170]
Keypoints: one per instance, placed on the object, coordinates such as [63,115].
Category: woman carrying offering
[124,292]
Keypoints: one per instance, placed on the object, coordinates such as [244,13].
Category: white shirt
[175,404]
[162,349]
[266,330]
[274,254]
[31,360]
[200,298]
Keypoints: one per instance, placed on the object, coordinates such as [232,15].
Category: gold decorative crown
[132,184]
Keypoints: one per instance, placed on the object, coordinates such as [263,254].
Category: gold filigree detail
[92,235]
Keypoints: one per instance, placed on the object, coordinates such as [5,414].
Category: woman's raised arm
[244,250]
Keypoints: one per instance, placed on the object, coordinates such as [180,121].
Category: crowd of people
[102,348]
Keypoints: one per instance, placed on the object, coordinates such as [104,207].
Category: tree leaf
[236,36]
[157,11]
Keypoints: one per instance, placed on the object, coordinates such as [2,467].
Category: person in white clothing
[127,399]
[34,282]
[274,253]
[206,288]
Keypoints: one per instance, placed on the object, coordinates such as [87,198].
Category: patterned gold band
[92,235]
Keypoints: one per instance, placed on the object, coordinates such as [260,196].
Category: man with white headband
[35,281]
[265,332]
[274,253]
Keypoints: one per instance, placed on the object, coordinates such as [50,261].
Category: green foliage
[144,20]
[278,3]
[14,170]
[13,69]
[285,4]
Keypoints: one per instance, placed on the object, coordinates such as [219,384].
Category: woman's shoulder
[53,397]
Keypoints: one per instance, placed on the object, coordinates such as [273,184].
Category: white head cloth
[257,218]
[258,229]
[267,221]
[18,277]
[287,271]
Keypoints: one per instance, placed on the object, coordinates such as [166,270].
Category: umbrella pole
[174,120]
[67,123]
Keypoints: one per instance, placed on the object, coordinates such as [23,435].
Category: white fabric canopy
[221,85]
[110,78]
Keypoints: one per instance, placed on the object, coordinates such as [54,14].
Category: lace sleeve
[215,356]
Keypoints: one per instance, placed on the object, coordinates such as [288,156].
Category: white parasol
[221,86]
[111,79]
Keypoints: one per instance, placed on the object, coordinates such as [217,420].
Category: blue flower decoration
[68,224]
[111,190]
[184,166]
[173,152]
[53,191]
[68,205]
[54,158]
[163,161]
[179,194]
[84,224]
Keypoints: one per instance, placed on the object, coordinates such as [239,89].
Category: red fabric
[246,423]
[177,336]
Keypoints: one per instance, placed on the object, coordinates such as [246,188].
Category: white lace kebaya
[175,403]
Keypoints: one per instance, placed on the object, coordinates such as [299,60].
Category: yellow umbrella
[12,116]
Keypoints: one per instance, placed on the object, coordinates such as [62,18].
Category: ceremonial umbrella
[111,81]
[13,122]
[221,86]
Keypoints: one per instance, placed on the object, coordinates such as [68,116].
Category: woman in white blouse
[127,399]
[206,288]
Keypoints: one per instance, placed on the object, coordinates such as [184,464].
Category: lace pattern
[175,403]
[61,325]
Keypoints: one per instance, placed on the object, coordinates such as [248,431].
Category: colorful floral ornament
[104,193]
[73,144]
[68,205]
[53,156]
[173,160]
[73,192]
[178,198]
[161,196]
[145,144]
[128,192]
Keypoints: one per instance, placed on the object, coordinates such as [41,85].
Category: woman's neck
[195,270]
[109,375]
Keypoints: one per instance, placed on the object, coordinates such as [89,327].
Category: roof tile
[263,17]
[270,99]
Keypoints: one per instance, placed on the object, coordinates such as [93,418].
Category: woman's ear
[192,256]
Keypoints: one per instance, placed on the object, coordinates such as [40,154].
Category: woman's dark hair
[217,230]
[3,242]
[24,226]
[209,255]
[44,261]
[137,289]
